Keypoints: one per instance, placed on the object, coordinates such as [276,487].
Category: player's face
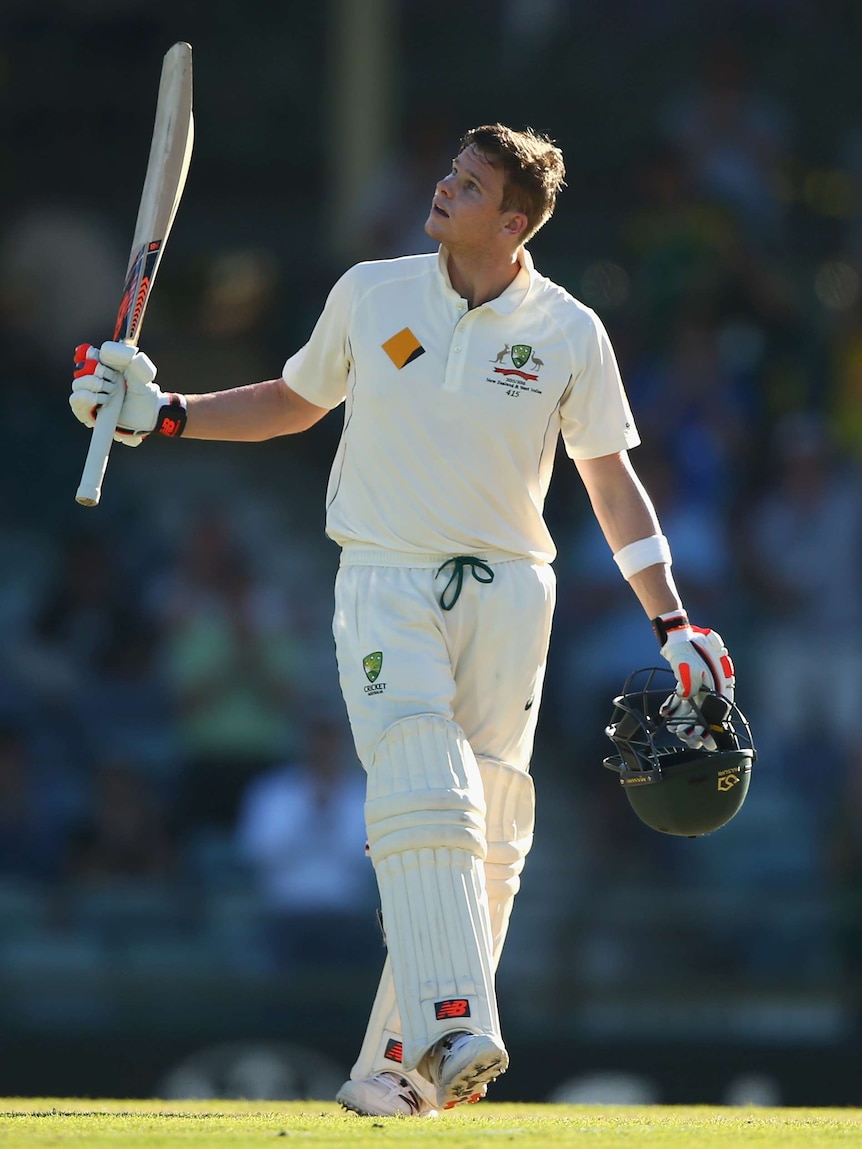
[465,211]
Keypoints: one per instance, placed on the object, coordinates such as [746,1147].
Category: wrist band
[171,419]
[644,553]
[674,624]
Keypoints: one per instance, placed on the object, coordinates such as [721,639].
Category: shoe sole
[483,1067]
[392,1116]
[354,1107]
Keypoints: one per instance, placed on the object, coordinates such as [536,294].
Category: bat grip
[101,440]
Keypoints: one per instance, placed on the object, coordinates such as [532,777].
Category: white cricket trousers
[443,704]
[480,664]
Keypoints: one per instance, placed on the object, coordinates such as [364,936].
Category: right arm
[250,414]
[266,410]
[242,414]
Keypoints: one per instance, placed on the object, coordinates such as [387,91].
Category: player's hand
[98,373]
[701,664]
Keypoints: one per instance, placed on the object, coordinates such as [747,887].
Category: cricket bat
[170,155]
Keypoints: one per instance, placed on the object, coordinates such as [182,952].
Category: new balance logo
[454,1007]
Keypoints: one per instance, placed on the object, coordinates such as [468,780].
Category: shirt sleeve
[596,417]
[319,371]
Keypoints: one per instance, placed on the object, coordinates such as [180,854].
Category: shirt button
[457,348]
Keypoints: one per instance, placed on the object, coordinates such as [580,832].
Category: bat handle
[101,440]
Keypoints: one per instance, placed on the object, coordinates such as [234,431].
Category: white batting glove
[146,408]
[701,664]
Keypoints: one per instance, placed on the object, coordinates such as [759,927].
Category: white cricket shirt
[452,416]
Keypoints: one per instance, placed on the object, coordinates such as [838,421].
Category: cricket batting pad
[510,817]
[425,819]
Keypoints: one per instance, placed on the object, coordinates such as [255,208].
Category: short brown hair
[533,167]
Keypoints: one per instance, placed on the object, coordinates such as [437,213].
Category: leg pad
[510,814]
[425,818]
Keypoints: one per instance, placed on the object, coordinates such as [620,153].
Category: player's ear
[515,224]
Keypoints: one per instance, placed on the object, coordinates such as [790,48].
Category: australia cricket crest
[372,664]
[520,355]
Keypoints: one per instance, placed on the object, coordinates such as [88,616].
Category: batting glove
[701,665]
[146,408]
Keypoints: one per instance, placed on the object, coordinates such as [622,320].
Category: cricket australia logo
[515,379]
[372,664]
[520,354]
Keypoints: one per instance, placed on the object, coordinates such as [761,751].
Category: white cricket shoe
[462,1065]
[385,1094]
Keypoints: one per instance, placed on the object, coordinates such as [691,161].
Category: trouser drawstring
[480,570]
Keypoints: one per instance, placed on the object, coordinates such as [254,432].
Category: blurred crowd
[169,709]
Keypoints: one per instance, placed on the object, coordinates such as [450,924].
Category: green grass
[38,1123]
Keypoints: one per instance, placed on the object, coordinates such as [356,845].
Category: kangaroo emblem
[502,355]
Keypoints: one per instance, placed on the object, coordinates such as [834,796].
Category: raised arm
[250,414]
[242,414]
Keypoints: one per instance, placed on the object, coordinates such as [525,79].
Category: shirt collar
[515,293]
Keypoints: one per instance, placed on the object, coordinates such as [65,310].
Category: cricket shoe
[385,1094]
[462,1065]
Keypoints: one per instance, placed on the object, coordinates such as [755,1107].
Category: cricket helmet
[671,787]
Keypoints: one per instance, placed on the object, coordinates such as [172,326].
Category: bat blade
[167,169]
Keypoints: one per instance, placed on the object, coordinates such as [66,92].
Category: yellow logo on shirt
[403,348]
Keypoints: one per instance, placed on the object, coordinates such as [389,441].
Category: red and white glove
[701,664]
[146,408]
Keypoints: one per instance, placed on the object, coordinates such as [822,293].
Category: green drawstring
[479,568]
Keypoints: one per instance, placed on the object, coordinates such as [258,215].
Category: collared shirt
[452,415]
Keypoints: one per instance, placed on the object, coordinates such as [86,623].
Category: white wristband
[644,553]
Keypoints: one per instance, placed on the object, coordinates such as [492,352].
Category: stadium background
[152,938]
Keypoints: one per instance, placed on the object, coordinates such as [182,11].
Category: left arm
[625,513]
[699,659]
